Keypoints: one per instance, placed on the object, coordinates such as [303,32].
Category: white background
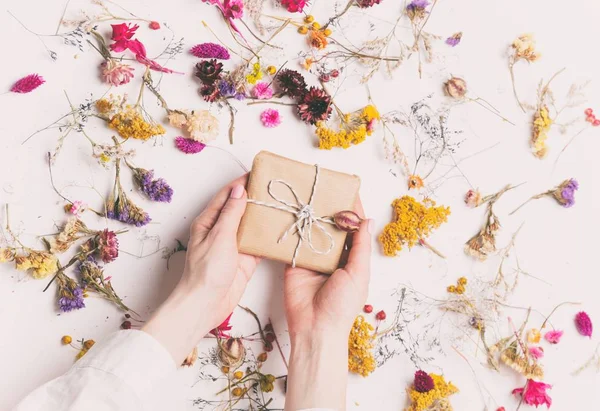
[557,245]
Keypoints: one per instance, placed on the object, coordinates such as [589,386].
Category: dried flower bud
[237,392]
[232,352]
[380,315]
[455,87]
[334,73]
[368,308]
[262,357]
[88,344]
[325,78]
[347,221]
[66,339]
[225,369]
[126,325]
[191,358]
[270,337]
[238,375]
[268,347]
[269,328]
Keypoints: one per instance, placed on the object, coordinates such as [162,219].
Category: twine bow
[305,217]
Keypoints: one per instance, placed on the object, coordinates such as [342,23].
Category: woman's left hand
[214,278]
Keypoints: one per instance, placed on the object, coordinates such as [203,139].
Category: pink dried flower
[294,6]
[583,322]
[76,207]
[534,393]
[473,198]
[536,352]
[554,336]
[154,25]
[189,145]
[210,51]
[220,331]
[262,91]
[115,73]
[233,9]
[270,118]
[423,382]
[108,246]
[27,84]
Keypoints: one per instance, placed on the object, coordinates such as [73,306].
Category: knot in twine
[305,217]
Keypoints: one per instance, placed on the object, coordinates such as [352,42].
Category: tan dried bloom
[232,352]
[524,48]
[67,236]
[41,264]
[203,126]
[190,360]
[178,118]
[456,88]
[6,254]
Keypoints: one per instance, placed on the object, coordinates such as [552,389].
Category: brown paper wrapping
[262,226]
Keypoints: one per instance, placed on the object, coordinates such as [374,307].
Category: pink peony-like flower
[294,6]
[536,352]
[108,246]
[554,336]
[189,145]
[233,9]
[270,118]
[534,393]
[583,322]
[262,91]
[473,198]
[27,84]
[115,73]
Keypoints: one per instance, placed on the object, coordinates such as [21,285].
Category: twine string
[305,217]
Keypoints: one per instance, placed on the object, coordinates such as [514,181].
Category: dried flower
[120,207]
[210,51]
[314,106]
[76,208]
[189,145]
[473,198]
[70,294]
[27,84]
[294,6]
[565,192]
[360,345]
[534,393]
[347,220]
[534,336]
[108,245]
[210,92]
[524,48]
[115,73]
[483,244]
[154,25]
[262,91]
[554,336]
[423,382]
[66,339]
[233,9]
[190,360]
[583,322]
[203,126]
[413,221]
[231,352]
[416,9]
[92,276]
[41,263]
[270,118]
[368,308]
[541,125]
[255,75]
[363,4]
[454,39]
[436,397]
[291,83]
[380,316]
[6,255]
[520,363]
[209,71]
[536,352]
[155,189]
[317,39]
[220,331]
[415,182]
[129,122]
[456,88]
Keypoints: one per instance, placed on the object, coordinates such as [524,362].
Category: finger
[358,208]
[359,259]
[208,218]
[232,212]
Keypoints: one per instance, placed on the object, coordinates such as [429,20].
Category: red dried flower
[380,315]
[220,330]
[423,382]
[154,25]
[583,322]
[27,84]
[294,6]
[368,308]
[210,93]
[108,246]
[314,106]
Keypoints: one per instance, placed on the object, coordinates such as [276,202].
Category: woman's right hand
[320,312]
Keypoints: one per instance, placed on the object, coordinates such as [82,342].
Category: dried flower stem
[535,197]
[279,346]
[425,244]
[511,66]
[340,14]
[554,310]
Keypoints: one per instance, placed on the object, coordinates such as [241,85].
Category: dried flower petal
[190,360]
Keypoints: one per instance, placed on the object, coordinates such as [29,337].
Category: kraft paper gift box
[263,225]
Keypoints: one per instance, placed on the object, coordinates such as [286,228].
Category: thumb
[232,212]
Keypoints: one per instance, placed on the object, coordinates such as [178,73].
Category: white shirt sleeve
[116,374]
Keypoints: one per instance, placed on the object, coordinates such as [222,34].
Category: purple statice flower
[156,190]
[210,51]
[417,6]
[124,210]
[565,192]
[454,39]
[189,145]
[72,299]
[227,89]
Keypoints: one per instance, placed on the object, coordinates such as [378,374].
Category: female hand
[320,311]
[214,277]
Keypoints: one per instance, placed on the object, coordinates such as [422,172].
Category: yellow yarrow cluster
[130,123]
[412,221]
[541,125]
[255,75]
[360,345]
[354,129]
[41,263]
[421,401]
[459,288]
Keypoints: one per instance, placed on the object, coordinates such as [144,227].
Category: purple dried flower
[565,192]
[70,293]
[454,39]
[156,190]
[416,9]
[583,322]
[227,89]
[124,210]
[210,51]
[189,145]
[423,382]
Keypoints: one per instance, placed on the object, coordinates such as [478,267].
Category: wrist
[318,371]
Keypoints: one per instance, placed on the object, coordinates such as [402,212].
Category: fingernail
[371,226]
[237,192]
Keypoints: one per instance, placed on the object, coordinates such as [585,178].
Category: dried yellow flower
[437,397]
[413,221]
[317,39]
[130,123]
[41,263]
[524,48]
[360,348]
[6,254]
[541,125]
[534,336]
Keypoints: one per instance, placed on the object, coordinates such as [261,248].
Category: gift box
[289,213]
